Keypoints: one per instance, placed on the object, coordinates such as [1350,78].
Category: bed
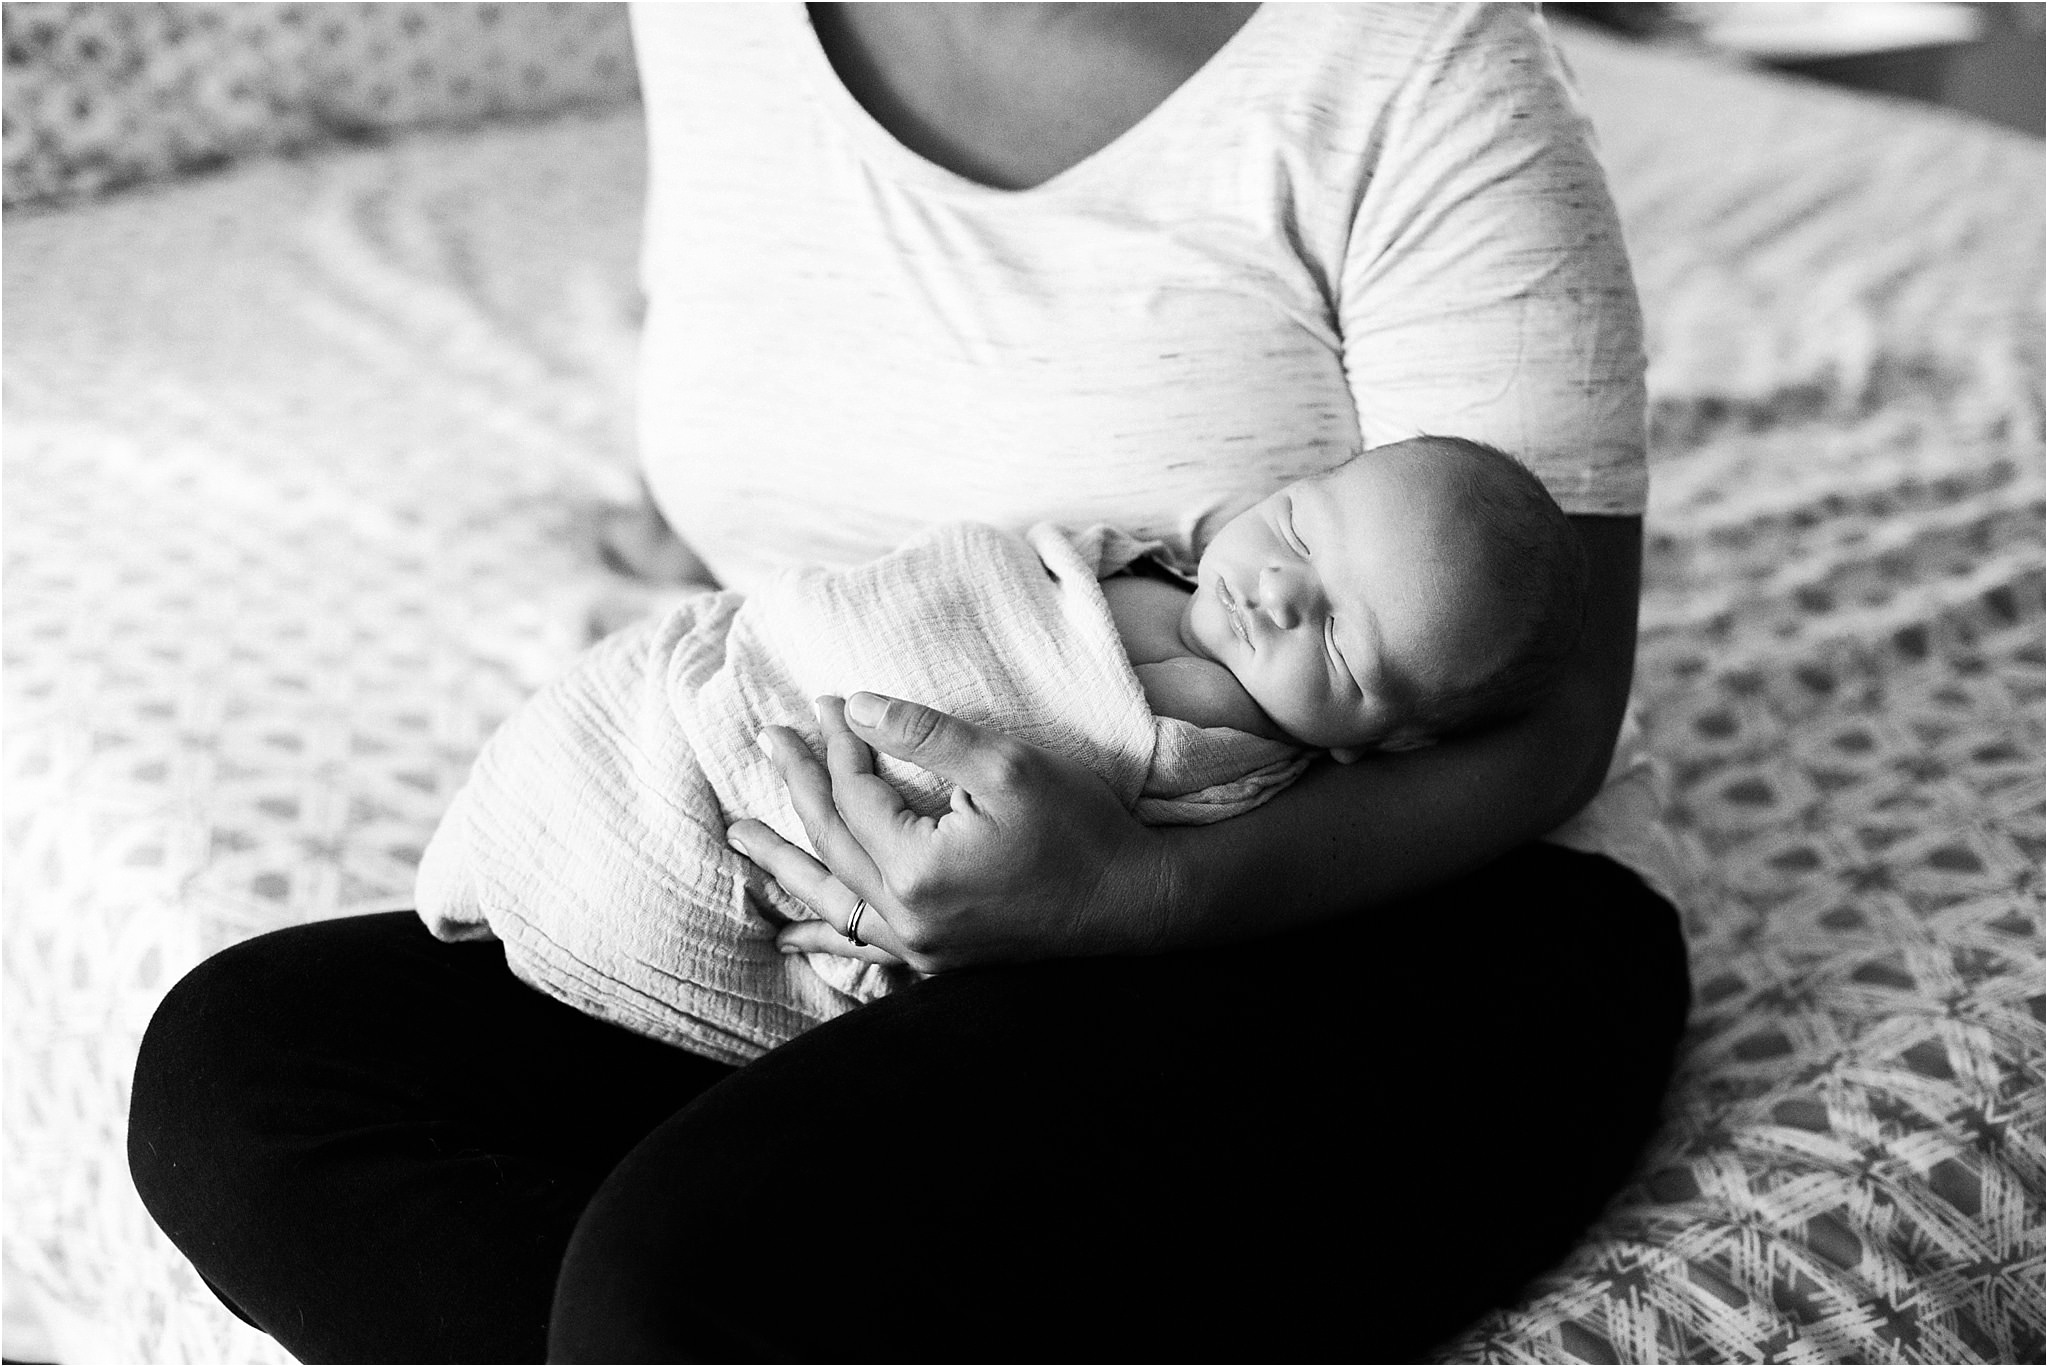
[305,459]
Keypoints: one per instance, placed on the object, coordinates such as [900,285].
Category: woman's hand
[1035,859]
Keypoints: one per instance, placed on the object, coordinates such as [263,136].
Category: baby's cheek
[1291,701]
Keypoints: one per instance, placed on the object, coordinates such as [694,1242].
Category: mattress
[304,463]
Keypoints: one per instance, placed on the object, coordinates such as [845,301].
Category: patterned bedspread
[303,463]
[1842,661]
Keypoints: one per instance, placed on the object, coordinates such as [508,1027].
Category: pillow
[99,96]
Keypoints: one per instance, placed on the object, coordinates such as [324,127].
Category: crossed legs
[1339,1144]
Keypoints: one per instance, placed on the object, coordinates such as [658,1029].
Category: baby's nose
[1284,595]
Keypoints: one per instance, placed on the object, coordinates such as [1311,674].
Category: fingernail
[761,739]
[788,949]
[865,709]
[737,844]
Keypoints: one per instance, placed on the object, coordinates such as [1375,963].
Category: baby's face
[1337,599]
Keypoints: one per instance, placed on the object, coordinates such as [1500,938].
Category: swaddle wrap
[590,836]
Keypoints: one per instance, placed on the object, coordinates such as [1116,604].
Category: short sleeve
[1485,289]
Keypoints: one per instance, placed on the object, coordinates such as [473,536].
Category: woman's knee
[207,1042]
[225,1080]
[663,1268]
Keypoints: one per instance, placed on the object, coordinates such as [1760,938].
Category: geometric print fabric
[99,96]
[257,625]
[1842,664]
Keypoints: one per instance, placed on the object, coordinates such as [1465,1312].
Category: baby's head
[1422,588]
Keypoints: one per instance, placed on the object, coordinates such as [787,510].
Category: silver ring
[852,931]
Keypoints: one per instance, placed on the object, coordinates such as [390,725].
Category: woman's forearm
[1348,837]
[1352,836]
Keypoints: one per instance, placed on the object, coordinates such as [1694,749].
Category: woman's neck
[1011,95]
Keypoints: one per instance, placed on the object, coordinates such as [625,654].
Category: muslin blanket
[590,837]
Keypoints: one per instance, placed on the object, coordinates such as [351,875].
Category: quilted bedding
[303,463]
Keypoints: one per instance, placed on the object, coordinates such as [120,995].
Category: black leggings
[1338,1144]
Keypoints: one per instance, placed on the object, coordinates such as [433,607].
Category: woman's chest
[830,432]
[823,394]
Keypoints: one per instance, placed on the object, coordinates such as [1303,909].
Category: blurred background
[1983,59]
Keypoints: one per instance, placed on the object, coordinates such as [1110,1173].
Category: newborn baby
[1419,589]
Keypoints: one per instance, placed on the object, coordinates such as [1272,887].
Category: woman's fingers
[811,883]
[801,876]
[810,793]
[971,757]
[846,755]
[816,937]
[867,805]
[824,799]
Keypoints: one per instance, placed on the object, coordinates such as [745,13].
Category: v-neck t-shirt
[1354,224]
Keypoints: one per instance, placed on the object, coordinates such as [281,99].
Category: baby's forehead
[1419,520]
[1406,484]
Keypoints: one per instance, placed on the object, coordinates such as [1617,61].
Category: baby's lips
[1233,610]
